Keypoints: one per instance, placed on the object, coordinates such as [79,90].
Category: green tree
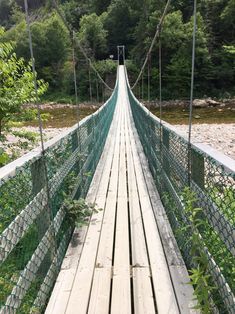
[50,43]
[93,35]
[74,10]
[178,70]
[16,82]
[228,21]
[101,6]
[118,23]
[5,11]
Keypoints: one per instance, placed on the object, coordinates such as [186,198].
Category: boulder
[200,103]
[212,102]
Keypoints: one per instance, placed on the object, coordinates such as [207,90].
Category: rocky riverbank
[20,141]
[219,136]
[197,103]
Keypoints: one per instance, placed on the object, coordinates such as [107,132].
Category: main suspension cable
[153,42]
[69,28]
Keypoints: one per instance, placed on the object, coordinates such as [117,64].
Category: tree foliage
[93,35]
[101,25]
[16,82]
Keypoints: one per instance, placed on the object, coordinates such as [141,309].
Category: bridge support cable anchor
[49,219]
[191,93]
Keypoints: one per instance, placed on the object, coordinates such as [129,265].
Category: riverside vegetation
[101,25]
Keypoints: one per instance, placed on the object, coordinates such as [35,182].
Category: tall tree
[118,23]
[93,35]
[101,6]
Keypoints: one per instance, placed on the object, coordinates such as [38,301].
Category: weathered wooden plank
[61,292]
[100,293]
[121,293]
[142,288]
[164,292]
[178,271]
[139,250]
[83,279]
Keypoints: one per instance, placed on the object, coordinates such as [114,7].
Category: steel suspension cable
[79,45]
[97,89]
[153,42]
[191,91]
[34,75]
[50,214]
[142,86]
[160,84]
[90,87]
[149,65]
[160,101]
[75,79]
[160,77]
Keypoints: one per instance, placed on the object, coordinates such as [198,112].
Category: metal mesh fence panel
[213,183]
[34,228]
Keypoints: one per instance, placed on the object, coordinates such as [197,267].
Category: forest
[101,25]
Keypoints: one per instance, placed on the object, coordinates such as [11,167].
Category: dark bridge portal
[121,55]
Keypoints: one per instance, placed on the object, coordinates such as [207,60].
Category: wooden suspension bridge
[134,254]
[126,260]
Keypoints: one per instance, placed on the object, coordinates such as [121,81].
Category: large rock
[200,103]
[212,102]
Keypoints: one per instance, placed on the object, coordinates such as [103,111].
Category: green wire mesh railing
[213,183]
[34,228]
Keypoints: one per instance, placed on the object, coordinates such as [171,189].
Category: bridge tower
[121,55]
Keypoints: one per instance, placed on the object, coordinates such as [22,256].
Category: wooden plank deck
[126,260]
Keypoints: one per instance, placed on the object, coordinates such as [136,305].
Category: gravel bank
[219,136]
[15,145]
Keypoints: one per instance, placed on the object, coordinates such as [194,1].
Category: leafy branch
[200,279]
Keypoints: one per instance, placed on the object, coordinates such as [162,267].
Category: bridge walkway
[126,260]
